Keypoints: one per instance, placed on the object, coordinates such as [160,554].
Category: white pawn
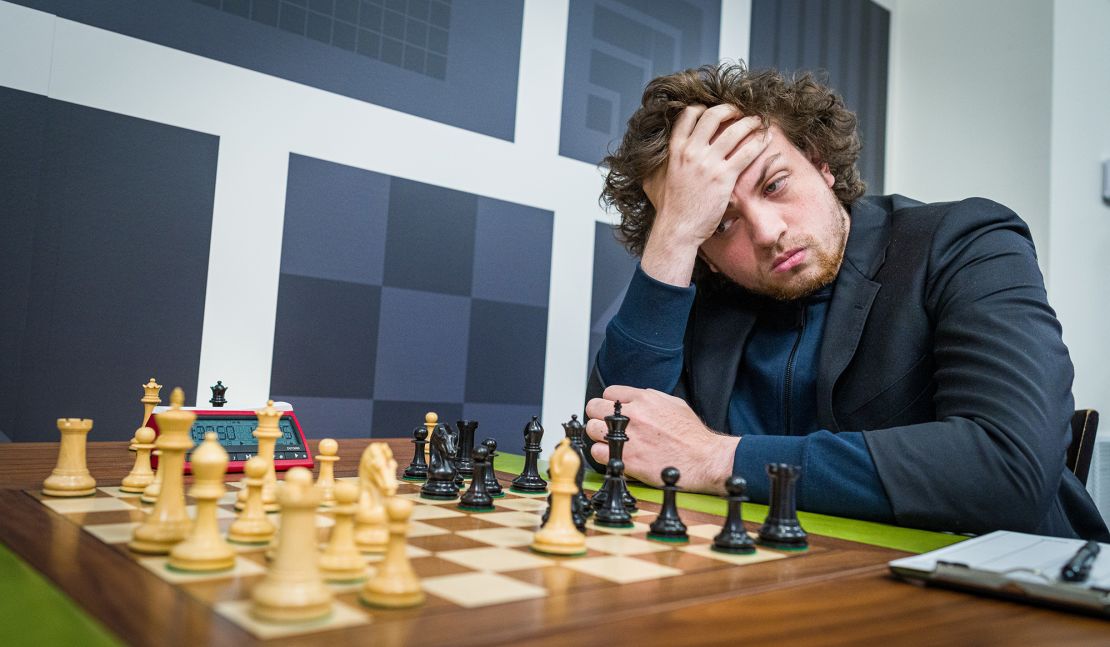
[326,455]
[204,549]
[141,475]
[395,584]
[253,526]
[342,561]
[293,590]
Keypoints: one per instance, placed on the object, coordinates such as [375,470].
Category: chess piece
[267,434]
[493,486]
[781,528]
[150,399]
[326,452]
[464,463]
[141,475]
[441,471]
[418,468]
[168,523]
[615,437]
[477,499]
[204,549]
[377,472]
[560,534]
[529,479]
[395,584]
[71,475]
[430,422]
[613,514]
[218,394]
[576,433]
[454,457]
[733,538]
[253,526]
[667,525]
[151,492]
[293,590]
[342,561]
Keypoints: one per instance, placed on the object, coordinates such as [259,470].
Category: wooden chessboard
[478,570]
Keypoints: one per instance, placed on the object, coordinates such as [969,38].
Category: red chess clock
[234,430]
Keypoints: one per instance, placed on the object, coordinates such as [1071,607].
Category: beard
[822,268]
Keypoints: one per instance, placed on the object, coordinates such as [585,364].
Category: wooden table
[848,598]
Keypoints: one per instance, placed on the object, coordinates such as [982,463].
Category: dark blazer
[941,347]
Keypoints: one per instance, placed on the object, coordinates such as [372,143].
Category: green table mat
[864,532]
[35,612]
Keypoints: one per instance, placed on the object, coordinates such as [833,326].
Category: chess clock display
[234,430]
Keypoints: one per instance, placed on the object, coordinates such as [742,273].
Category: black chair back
[1084,424]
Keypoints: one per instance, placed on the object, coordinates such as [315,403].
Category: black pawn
[477,499]
[493,486]
[464,464]
[530,479]
[668,526]
[576,432]
[613,513]
[781,528]
[418,468]
[733,538]
[218,393]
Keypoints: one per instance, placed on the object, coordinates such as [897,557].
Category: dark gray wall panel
[110,220]
[422,346]
[512,253]
[613,268]
[326,331]
[505,423]
[393,419]
[847,39]
[449,298]
[327,417]
[509,341]
[334,198]
[431,238]
[614,47]
[453,62]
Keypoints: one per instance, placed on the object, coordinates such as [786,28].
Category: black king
[616,438]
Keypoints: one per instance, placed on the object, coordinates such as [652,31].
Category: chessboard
[480,576]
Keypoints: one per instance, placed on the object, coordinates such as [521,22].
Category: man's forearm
[643,342]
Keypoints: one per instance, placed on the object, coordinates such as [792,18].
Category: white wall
[970,104]
[1079,229]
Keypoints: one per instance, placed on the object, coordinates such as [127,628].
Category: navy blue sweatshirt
[773,407]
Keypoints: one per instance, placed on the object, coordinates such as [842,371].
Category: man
[903,354]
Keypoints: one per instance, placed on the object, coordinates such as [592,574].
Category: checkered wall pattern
[398,297]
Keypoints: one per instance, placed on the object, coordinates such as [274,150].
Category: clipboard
[1016,566]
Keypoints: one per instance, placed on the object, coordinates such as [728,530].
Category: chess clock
[234,430]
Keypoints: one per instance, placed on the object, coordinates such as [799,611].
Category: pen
[1079,567]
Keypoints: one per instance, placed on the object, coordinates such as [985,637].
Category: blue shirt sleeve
[838,473]
[643,342]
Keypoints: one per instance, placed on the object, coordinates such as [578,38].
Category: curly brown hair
[813,117]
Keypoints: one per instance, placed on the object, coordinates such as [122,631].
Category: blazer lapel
[853,294]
